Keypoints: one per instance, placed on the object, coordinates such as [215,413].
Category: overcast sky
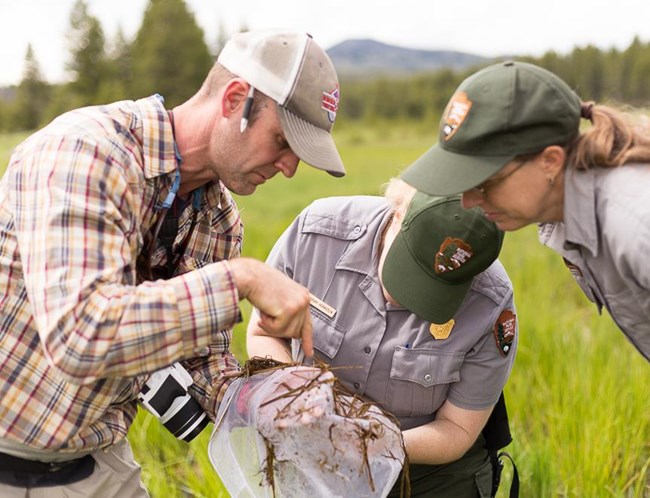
[483,27]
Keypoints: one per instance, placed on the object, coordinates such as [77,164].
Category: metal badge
[441,331]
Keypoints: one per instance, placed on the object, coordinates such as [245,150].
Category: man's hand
[282,303]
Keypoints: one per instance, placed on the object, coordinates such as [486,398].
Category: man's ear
[553,158]
[234,96]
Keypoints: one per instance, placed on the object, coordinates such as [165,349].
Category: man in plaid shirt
[119,256]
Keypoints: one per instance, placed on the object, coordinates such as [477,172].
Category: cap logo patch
[504,331]
[453,254]
[441,331]
[455,113]
[330,103]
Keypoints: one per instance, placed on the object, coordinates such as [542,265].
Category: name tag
[321,306]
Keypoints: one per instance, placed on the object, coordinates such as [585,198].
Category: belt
[24,473]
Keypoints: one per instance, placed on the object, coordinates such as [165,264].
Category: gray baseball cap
[293,70]
[503,111]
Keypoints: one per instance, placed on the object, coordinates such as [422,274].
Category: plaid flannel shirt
[78,332]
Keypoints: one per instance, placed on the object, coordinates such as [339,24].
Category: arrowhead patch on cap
[455,113]
[453,254]
[504,331]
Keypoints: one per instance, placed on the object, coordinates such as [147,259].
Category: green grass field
[578,396]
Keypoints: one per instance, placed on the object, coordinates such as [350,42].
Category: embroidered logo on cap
[330,103]
[453,254]
[504,331]
[455,113]
[441,331]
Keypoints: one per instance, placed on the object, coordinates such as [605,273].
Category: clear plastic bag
[293,432]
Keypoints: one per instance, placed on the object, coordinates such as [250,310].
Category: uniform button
[357,229]
[356,385]
[367,350]
[427,378]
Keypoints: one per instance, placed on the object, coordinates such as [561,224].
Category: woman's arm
[447,438]
[260,344]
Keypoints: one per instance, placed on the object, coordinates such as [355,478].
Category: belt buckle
[56,466]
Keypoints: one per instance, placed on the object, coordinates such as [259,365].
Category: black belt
[16,471]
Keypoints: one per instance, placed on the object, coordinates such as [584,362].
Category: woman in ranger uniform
[410,306]
[510,141]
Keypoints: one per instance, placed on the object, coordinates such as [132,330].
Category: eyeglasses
[487,185]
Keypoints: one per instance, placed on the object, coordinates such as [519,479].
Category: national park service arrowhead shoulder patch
[504,331]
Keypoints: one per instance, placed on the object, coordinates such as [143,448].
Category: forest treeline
[169,56]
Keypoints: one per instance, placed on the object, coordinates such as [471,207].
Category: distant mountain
[371,58]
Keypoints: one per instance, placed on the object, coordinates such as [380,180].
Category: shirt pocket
[420,379]
[328,335]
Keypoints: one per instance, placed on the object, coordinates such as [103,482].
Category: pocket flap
[426,367]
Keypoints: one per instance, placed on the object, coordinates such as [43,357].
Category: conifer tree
[119,71]
[170,56]
[31,95]
[87,63]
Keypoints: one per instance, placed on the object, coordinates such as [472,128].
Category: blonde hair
[614,139]
[400,194]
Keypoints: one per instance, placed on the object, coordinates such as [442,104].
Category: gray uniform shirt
[605,240]
[382,352]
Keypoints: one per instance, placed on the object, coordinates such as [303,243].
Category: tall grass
[578,396]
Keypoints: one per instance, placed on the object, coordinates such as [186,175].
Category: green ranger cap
[439,249]
[502,111]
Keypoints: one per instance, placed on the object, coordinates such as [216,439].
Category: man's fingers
[299,328]
[307,338]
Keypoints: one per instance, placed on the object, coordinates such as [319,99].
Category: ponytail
[612,140]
